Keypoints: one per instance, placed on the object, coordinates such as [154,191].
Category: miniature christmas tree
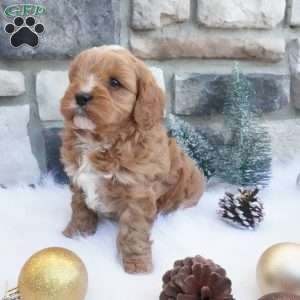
[243,210]
[246,158]
[193,143]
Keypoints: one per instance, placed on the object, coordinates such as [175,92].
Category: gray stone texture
[203,94]
[50,88]
[262,14]
[284,134]
[158,74]
[294,60]
[70,26]
[153,14]
[11,83]
[285,139]
[295,13]
[188,43]
[52,145]
[18,165]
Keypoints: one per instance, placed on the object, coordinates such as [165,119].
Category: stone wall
[191,45]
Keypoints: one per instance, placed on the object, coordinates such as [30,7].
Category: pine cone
[243,210]
[12,294]
[280,296]
[196,279]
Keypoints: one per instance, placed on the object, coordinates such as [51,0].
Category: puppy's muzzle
[82,99]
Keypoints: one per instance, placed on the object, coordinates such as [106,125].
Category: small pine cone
[12,294]
[280,296]
[244,210]
[196,279]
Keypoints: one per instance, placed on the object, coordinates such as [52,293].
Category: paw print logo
[24,32]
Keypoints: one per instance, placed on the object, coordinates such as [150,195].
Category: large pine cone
[196,279]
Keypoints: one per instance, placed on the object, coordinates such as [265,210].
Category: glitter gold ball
[278,269]
[53,274]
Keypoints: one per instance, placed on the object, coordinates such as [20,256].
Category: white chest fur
[90,180]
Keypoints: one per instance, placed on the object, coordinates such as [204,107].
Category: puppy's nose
[83,98]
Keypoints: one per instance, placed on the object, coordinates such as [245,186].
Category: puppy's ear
[150,102]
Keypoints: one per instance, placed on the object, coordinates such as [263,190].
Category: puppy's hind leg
[83,221]
[194,187]
[187,191]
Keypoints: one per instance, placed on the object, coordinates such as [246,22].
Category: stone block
[285,139]
[295,13]
[294,61]
[203,94]
[153,14]
[18,166]
[11,83]
[184,43]
[52,146]
[50,88]
[69,27]
[159,76]
[262,14]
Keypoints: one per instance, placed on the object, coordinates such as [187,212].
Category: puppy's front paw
[84,229]
[70,231]
[135,265]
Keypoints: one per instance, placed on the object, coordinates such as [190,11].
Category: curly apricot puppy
[118,156]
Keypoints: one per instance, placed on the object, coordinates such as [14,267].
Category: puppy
[116,151]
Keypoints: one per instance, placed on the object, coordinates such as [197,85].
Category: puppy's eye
[115,83]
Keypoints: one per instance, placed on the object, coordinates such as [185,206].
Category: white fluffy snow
[32,219]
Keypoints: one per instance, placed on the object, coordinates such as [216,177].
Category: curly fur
[117,153]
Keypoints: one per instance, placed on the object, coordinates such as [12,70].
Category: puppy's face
[105,85]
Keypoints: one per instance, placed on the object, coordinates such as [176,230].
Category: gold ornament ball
[278,269]
[53,274]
